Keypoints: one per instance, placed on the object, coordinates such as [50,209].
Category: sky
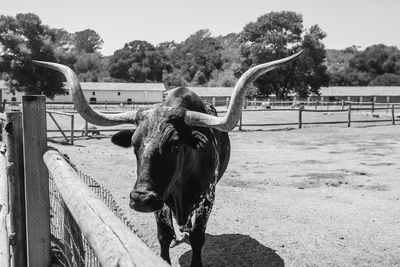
[346,22]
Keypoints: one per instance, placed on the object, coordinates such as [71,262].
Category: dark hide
[178,167]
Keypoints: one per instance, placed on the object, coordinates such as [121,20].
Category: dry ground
[318,196]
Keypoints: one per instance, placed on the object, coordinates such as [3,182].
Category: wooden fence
[69,132]
[25,235]
[344,107]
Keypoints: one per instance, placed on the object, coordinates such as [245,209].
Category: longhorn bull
[182,150]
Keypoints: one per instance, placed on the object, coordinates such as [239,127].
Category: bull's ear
[123,138]
[199,140]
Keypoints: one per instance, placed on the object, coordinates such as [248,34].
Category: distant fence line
[316,106]
[70,133]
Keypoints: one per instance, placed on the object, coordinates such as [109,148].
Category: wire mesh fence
[69,246]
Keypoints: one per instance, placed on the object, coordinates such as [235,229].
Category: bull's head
[159,142]
[162,133]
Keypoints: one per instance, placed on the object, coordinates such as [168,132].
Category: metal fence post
[36,181]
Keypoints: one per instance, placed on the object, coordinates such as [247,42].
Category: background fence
[65,125]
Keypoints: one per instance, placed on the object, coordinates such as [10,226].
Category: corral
[317,196]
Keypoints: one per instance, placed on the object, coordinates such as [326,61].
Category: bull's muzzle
[145,201]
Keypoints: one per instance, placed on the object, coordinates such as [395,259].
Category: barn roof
[360,91]
[209,91]
[122,86]
[94,86]
[212,91]
[325,91]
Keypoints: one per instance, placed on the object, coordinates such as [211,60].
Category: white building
[104,93]
[219,96]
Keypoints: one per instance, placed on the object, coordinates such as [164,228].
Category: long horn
[229,121]
[81,105]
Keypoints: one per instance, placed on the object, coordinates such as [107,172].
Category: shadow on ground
[234,250]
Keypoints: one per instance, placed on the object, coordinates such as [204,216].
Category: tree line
[200,60]
[377,65]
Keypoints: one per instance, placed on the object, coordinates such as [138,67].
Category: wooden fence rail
[113,243]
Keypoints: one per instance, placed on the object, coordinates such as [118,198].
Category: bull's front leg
[165,231]
[197,235]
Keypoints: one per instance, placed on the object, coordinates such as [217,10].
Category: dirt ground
[317,196]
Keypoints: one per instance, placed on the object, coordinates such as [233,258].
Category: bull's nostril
[149,201]
[144,202]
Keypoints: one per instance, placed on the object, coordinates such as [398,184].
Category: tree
[63,44]
[22,39]
[199,52]
[386,79]
[88,41]
[174,79]
[199,78]
[377,65]
[139,61]
[279,34]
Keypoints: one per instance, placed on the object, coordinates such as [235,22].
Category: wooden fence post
[86,128]
[316,104]
[393,117]
[12,136]
[4,240]
[72,129]
[240,120]
[36,181]
[342,104]
[300,116]
[372,107]
[4,102]
[349,115]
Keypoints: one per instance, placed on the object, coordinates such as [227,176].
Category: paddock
[325,195]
